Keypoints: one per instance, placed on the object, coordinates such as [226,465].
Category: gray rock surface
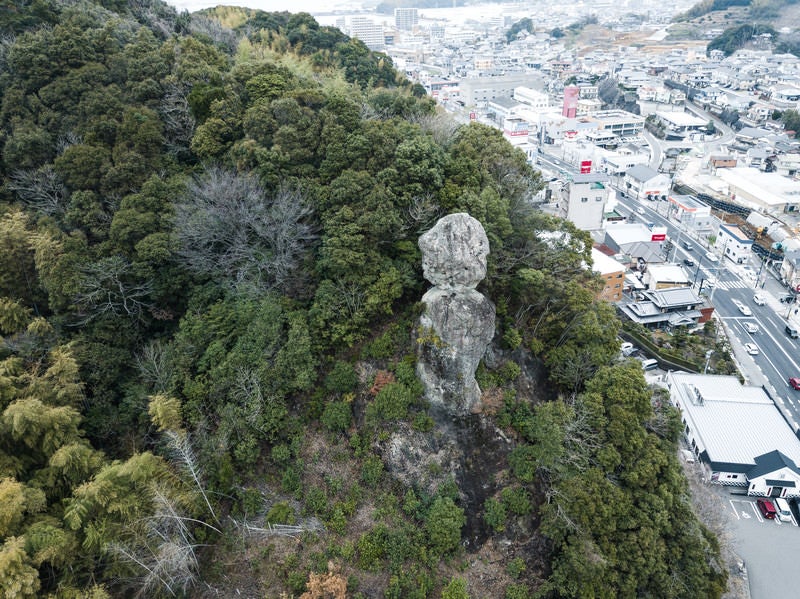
[454,252]
[458,322]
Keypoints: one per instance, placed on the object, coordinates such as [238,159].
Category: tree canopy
[209,287]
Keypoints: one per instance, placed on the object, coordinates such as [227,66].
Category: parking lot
[769,548]
[745,508]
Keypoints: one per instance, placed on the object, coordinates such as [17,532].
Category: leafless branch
[182,449]
[41,189]
[154,366]
[228,227]
[108,287]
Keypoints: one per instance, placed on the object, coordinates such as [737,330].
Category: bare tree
[165,551]
[40,189]
[154,366]
[229,228]
[442,126]
[179,123]
[108,287]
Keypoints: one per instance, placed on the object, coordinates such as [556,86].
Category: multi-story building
[582,200]
[405,19]
[368,32]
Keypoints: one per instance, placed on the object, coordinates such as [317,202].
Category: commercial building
[690,212]
[475,90]
[768,192]
[642,182]
[737,433]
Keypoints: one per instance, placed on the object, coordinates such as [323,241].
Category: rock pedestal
[458,322]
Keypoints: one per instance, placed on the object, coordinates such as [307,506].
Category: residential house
[667,308]
[612,272]
[666,276]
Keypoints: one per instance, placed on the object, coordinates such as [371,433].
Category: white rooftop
[733,423]
[629,233]
[667,272]
[604,264]
[770,188]
[682,119]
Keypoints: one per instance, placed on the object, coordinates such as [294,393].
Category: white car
[751,348]
[759,299]
[751,327]
[711,257]
[745,310]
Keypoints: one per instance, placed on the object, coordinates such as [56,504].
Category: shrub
[517,591]
[455,589]
[515,567]
[342,378]
[281,513]
[337,416]
[372,471]
[494,514]
[392,402]
[443,526]
[516,500]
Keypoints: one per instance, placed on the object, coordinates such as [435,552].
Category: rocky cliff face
[458,322]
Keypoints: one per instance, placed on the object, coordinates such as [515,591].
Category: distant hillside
[727,13]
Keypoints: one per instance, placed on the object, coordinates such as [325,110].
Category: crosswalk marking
[726,285]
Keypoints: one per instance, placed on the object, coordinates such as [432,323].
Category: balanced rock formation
[458,322]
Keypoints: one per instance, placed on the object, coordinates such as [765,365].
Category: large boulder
[454,252]
[458,322]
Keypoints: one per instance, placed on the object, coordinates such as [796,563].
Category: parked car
[751,348]
[711,257]
[782,509]
[794,383]
[759,300]
[766,508]
[751,327]
[792,331]
[688,262]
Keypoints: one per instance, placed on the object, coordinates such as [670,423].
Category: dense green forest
[209,295]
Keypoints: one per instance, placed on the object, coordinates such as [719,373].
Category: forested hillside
[209,296]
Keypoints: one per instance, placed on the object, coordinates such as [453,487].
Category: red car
[795,382]
[766,507]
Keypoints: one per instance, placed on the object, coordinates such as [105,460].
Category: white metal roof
[733,423]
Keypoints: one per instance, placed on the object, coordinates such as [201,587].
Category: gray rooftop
[641,172]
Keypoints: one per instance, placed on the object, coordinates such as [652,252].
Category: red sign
[472,116]
[586,167]
[658,237]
